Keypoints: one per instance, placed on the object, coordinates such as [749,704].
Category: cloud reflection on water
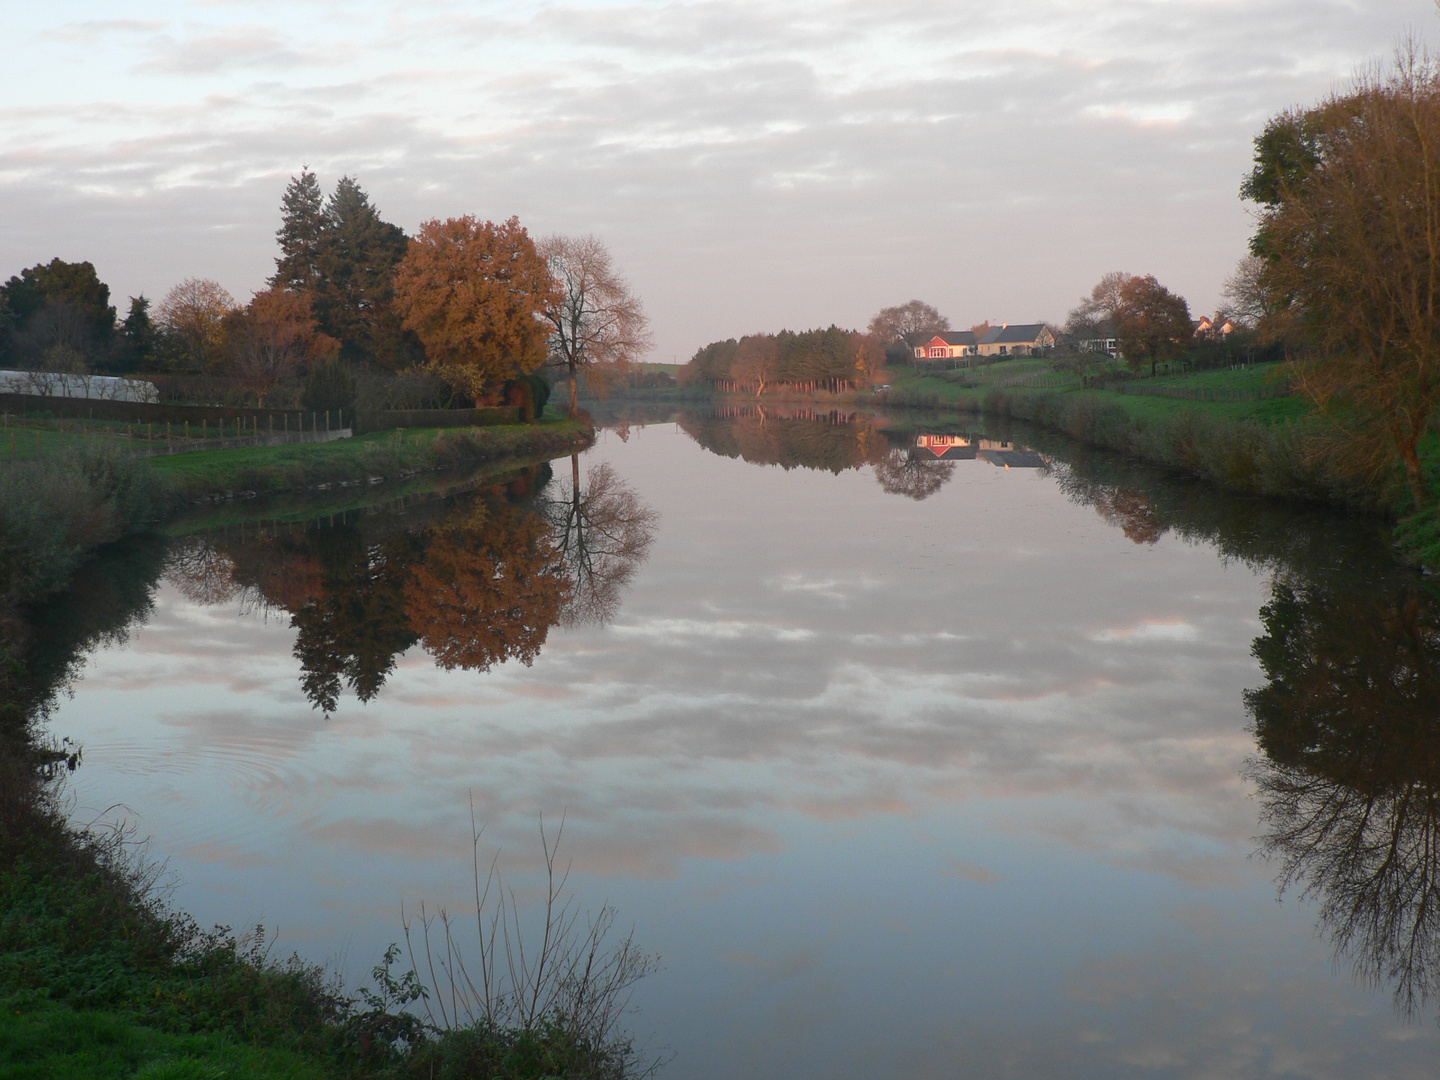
[824,694]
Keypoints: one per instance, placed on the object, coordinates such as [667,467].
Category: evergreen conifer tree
[358,255]
[138,335]
[302,228]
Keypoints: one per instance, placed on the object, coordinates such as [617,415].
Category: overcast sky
[752,165]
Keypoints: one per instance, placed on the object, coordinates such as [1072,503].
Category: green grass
[59,1043]
[387,454]
[24,438]
[1254,377]
[1142,407]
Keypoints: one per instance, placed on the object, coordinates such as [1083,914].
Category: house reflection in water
[970,447]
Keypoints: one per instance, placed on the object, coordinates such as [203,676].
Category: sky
[752,165]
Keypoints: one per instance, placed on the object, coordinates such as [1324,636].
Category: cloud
[238,47]
[752,165]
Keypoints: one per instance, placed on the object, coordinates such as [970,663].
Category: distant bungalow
[969,448]
[948,447]
[1019,339]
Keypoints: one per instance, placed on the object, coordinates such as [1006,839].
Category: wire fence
[26,437]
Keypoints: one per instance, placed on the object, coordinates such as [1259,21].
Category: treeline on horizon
[832,358]
[461,311]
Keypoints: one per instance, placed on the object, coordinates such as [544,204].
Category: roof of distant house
[1014,333]
[956,337]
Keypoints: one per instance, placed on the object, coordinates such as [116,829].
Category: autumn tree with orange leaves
[475,294]
[272,338]
[488,589]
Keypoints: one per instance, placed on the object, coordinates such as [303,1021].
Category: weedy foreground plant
[542,1007]
[101,977]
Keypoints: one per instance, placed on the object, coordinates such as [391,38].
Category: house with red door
[951,345]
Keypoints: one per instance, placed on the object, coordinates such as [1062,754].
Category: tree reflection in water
[902,471]
[475,583]
[1348,721]
[791,438]
[602,534]
[833,441]
[1349,728]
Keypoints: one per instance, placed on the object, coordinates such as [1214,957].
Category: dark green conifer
[359,254]
[137,335]
[301,233]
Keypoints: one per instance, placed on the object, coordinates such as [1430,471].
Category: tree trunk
[1414,474]
[574,392]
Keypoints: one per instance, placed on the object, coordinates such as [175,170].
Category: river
[910,751]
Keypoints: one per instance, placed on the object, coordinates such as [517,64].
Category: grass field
[1141,407]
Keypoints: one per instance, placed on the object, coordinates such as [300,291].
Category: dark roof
[1014,459]
[1015,333]
[955,337]
[1102,329]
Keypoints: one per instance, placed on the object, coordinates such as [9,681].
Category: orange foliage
[487,593]
[474,292]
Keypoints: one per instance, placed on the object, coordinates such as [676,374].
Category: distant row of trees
[823,359]
[475,304]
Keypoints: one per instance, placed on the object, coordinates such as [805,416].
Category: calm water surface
[903,766]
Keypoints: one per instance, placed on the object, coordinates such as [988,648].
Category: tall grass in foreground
[55,511]
[550,1002]
[101,976]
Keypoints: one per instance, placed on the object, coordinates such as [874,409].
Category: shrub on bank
[1242,455]
[55,511]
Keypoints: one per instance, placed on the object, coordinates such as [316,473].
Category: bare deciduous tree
[1247,300]
[903,321]
[902,471]
[1100,307]
[596,322]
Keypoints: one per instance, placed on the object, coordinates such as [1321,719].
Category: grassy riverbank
[1257,445]
[56,509]
[386,455]
[1235,427]
[101,980]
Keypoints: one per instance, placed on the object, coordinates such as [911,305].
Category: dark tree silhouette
[903,471]
[603,533]
[1349,730]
